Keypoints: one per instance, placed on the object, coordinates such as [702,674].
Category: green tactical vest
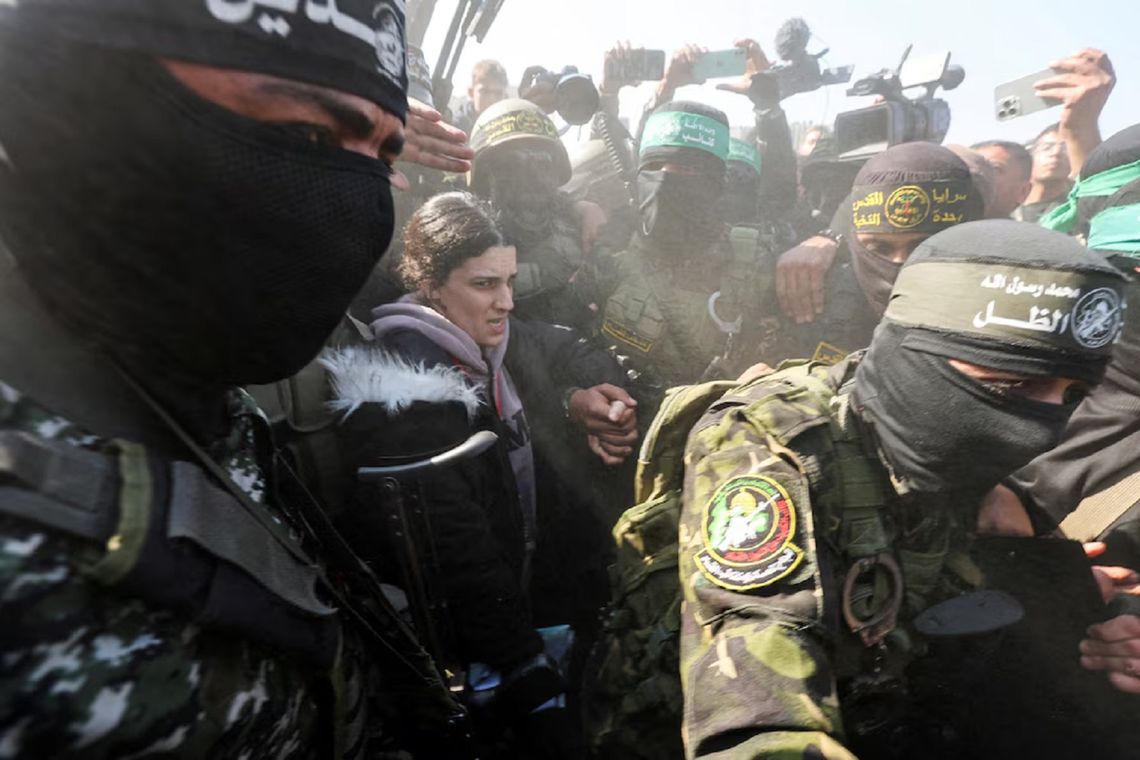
[661,320]
[550,264]
[633,697]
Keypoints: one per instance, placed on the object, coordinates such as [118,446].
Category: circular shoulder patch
[1097,318]
[907,207]
[747,529]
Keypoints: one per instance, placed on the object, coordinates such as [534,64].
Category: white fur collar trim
[362,375]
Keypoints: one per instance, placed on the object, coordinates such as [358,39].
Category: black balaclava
[520,162]
[679,211]
[1118,150]
[523,187]
[911,188]
[1003,295]
[197,245]
[741,202]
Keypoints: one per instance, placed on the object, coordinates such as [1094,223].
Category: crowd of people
[337,423]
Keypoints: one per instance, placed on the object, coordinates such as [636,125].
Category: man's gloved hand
[800,274]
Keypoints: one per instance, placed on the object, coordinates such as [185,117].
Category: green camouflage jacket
[659,316]
[762,555]
[557,281]
[93,674]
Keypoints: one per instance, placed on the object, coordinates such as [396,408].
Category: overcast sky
[996,41]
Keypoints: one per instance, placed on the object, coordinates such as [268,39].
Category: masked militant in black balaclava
[998,294]
[1100,442]
[678,204]
[192,242]
[520,163]
[917,188]
[741,202]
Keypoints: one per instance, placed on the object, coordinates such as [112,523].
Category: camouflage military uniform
[846,325]
[659,315]
[556,283]
[765,538]
[88,673]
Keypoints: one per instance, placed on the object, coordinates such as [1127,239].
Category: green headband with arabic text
[924,206]
[740,151]
[1077,312]
[1064,217]
[681,129]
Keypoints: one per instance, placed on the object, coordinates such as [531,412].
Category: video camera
[897,119]
[800,70]
[569,93]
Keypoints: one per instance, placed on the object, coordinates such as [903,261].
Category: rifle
[350,582]
[414,546]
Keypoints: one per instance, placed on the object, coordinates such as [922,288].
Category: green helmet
[518,123]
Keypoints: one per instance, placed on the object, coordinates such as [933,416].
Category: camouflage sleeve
[755,668]
[90,674]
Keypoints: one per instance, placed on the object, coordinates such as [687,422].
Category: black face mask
[940,429]
[193,243]
[876,275]
[741,201]
[679,212]
[523,191]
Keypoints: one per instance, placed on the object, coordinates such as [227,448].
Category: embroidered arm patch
[747,530]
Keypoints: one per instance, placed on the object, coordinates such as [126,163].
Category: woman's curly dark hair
[443,233]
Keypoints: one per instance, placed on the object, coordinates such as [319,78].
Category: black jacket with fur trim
[414,402]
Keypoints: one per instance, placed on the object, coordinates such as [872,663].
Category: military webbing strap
[863,533]
[739,279]
[863,496]
[59,486]
[660,460]
[1095,514]
[365,616]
